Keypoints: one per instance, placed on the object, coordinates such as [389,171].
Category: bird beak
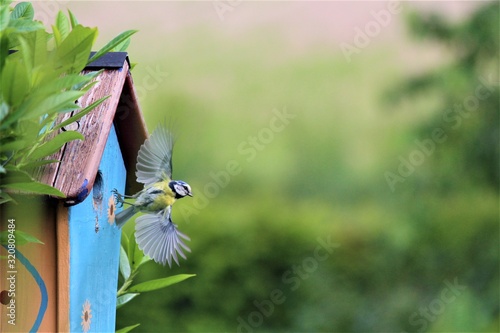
[190,194]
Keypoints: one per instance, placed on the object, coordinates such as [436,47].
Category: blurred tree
[454,200]
[470,95]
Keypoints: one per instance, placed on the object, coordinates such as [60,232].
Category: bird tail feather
[124,216]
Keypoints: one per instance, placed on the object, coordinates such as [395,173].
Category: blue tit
[155,232]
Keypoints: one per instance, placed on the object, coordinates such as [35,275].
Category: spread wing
[157,235]
[154,161]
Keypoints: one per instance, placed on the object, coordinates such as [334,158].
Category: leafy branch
[40,80]
[130,260]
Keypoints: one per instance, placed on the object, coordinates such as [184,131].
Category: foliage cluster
[131,258]
[40,80]
[469,92]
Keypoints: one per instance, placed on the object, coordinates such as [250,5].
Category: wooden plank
[47,173]
[63,254]
[33,272]
[80,159]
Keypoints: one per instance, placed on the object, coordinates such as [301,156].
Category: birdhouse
[69,283]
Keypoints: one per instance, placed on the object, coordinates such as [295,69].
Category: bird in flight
[155,232]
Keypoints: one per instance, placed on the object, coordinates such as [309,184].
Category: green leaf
[62,25]
[123,46]
[34,50]
[4,110]
[159,283]
[112,44]
[135,255]
[4,47]
[39,103]
[15,175]
[61,102]
[15,82]
[26,53]
[39,163]
[57,35]
[124,264]
[4,17]
[63,83]
[24,238]
[52,146]
[72,19]
[21,238]
[82,113]
[35,187]
[124,299]
[4,197]
[24,25]
[144,260]
[132,247]
[124,241]
[74,51]
[28,130]
[138,258]
[13,145]
[127,329]
[90,76]
[23,10]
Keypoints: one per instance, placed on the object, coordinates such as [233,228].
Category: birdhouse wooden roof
[79,160]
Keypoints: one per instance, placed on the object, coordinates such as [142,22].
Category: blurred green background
[412,215]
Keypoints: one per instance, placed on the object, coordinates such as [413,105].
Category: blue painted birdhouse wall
[94,243]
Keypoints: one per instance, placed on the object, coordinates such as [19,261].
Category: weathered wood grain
[74,175]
